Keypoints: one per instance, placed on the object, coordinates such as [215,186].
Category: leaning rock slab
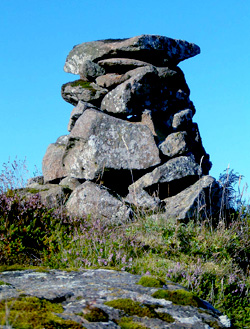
[77,112]
[52,163]
[194,201]
[96,201]
[121,65]
[154,49]
[99,142]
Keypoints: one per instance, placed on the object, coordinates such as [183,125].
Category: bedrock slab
[155,49]
[80,291]
[100,142]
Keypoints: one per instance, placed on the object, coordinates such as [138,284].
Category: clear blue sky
[36,37]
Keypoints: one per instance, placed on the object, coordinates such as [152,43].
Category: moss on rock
[96,315]
[179,297]
[34,313]
[149,281]
[128,323]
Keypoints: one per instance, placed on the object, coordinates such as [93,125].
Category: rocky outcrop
[106,298]
[132,141]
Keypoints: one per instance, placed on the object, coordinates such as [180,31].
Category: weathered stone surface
[154,49]
[80,90]
[35,180]
[70,182]
[177,173]
[52,163]
[90,70]
[52,195]
[77,112]
[110,80]
[195,201]
[121,65]
[182,119]
[130,96]
[99,142]
[77,291]
[96,201]
[176,144]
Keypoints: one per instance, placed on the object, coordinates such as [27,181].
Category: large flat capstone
[155,49]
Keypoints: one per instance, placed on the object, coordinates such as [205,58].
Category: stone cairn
[132,143]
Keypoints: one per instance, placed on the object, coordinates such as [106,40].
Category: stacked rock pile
[132,142]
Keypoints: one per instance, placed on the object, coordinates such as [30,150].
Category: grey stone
[77,112]
[52,195]
[70,182]
[110,80]
[35,180]
[52,163]
[96,201]
[177,173]
[154,49]
[182,120]
[121,65]
[99,142]
[63,140]
[176,144]
[90,70]
[78,290]
[130,96]
[201,200]
[80,90]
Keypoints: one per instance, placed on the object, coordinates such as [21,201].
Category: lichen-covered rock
[182,119]
[80,90]
[110,80]
[90,70]
[176,144]
[52,195]
[175,174]
[121,65]
[133,95]
[52,163]
[200,200]
[116,294]
[96,201]
[100,142]
[154,49]
[77,112]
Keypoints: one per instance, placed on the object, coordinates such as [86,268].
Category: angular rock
[131,96]
[52,195]
[80,90]
[52,163]
[121,65]
[63,140]
[182,120]
[110,80]
[96,201]
[99,142]
[35,180]
[176,144]
[154,49]
[195,201]
[77,112]
[165,180]
[90,70]
[70,182]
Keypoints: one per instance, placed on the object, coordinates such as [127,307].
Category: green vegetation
[149,281]
[130,307]
[210,258]
[128,323]
[33,313]
[179,297]
[96,315]
[83,84]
